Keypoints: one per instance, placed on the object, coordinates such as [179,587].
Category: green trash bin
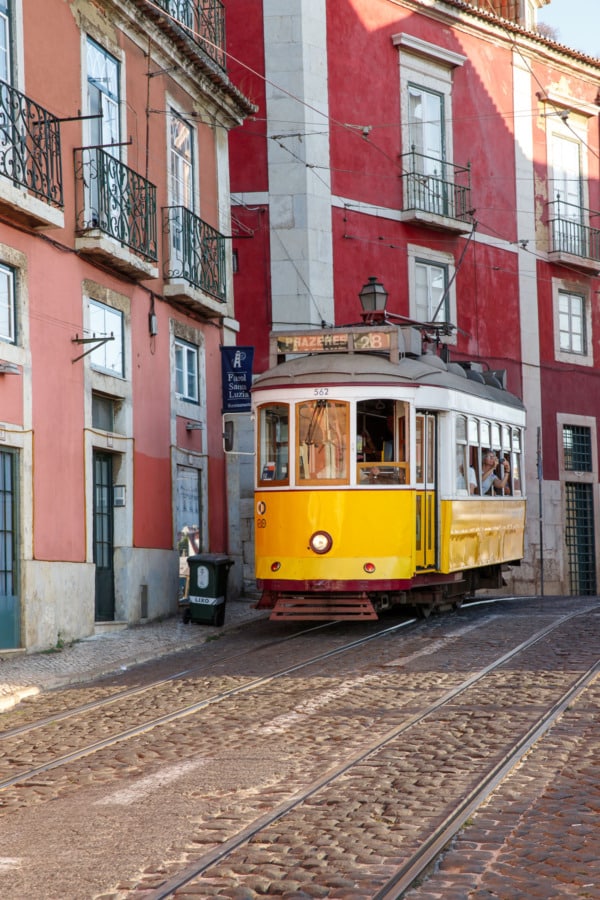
[207,592]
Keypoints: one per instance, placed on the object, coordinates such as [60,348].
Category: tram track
[104,702]
[283,772]
[430,844]
[188,710]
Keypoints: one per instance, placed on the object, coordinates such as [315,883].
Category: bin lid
[211,558]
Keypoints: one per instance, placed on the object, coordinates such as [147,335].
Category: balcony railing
[204,22]
[194,251]
[434,186]
[569,232]
[116,200]
[30,146]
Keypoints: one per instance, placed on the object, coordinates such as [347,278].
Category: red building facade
[115,298]
[451,151]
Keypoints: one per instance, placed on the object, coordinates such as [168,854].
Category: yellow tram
[384,476]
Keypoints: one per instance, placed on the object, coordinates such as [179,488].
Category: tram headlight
[320,542]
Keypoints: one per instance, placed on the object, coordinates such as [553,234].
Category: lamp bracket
[96,341]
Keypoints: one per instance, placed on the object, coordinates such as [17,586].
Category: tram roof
[371,369]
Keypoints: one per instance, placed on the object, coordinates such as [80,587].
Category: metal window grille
[580,539]
[577,445]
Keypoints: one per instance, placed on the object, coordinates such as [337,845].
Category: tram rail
[358,763]
[432,843]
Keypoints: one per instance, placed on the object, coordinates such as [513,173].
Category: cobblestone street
[184,790]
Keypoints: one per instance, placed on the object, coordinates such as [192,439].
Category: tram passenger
[489,476]
[460,481]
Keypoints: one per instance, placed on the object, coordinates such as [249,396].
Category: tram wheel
[424,610]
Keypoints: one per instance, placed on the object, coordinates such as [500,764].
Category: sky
[577,23]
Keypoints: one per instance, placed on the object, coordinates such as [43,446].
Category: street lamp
[373,297]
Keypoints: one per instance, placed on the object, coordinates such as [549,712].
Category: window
[103,412]
[431,296]
[431,286]
[7,305]
[427,143]
[181,185]
[273,443]
[577,447]
[567,201]
[572,319]
[431,182]
[186,371]
[103,98]
[487,453]
[572,322]
[578,456]
[322,440]
[5,41]
[106,322]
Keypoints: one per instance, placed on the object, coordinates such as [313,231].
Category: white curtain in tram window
[569,234]
[426,136]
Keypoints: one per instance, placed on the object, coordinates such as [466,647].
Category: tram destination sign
[343,341]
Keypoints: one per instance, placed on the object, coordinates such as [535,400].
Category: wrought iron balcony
[570,235]
[112,198]
[30,146]
[203,21]
[436,188]
[194,251]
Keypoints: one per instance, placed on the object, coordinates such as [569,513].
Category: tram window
[484,434]
[322,441]
[466,480]
[273,444]
[516,461]
[382,442]
[495,441]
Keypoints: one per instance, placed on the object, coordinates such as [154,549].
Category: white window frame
[185,351]
[8,304]
[105,320]
[573,357]
[424,255]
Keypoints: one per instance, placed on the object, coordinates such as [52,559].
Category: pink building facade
[452,151]
[115,299]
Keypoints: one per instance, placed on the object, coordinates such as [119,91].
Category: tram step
[326,608]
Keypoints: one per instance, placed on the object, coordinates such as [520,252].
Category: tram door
[425,475]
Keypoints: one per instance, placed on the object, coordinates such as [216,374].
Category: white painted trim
[430,51]
[395,215]
[566,101]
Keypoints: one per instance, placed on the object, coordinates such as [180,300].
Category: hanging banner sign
[236,372]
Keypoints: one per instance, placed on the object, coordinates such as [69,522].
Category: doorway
[104,537]
[10,619]
[426,500]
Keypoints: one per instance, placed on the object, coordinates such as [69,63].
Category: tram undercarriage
[425,596]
